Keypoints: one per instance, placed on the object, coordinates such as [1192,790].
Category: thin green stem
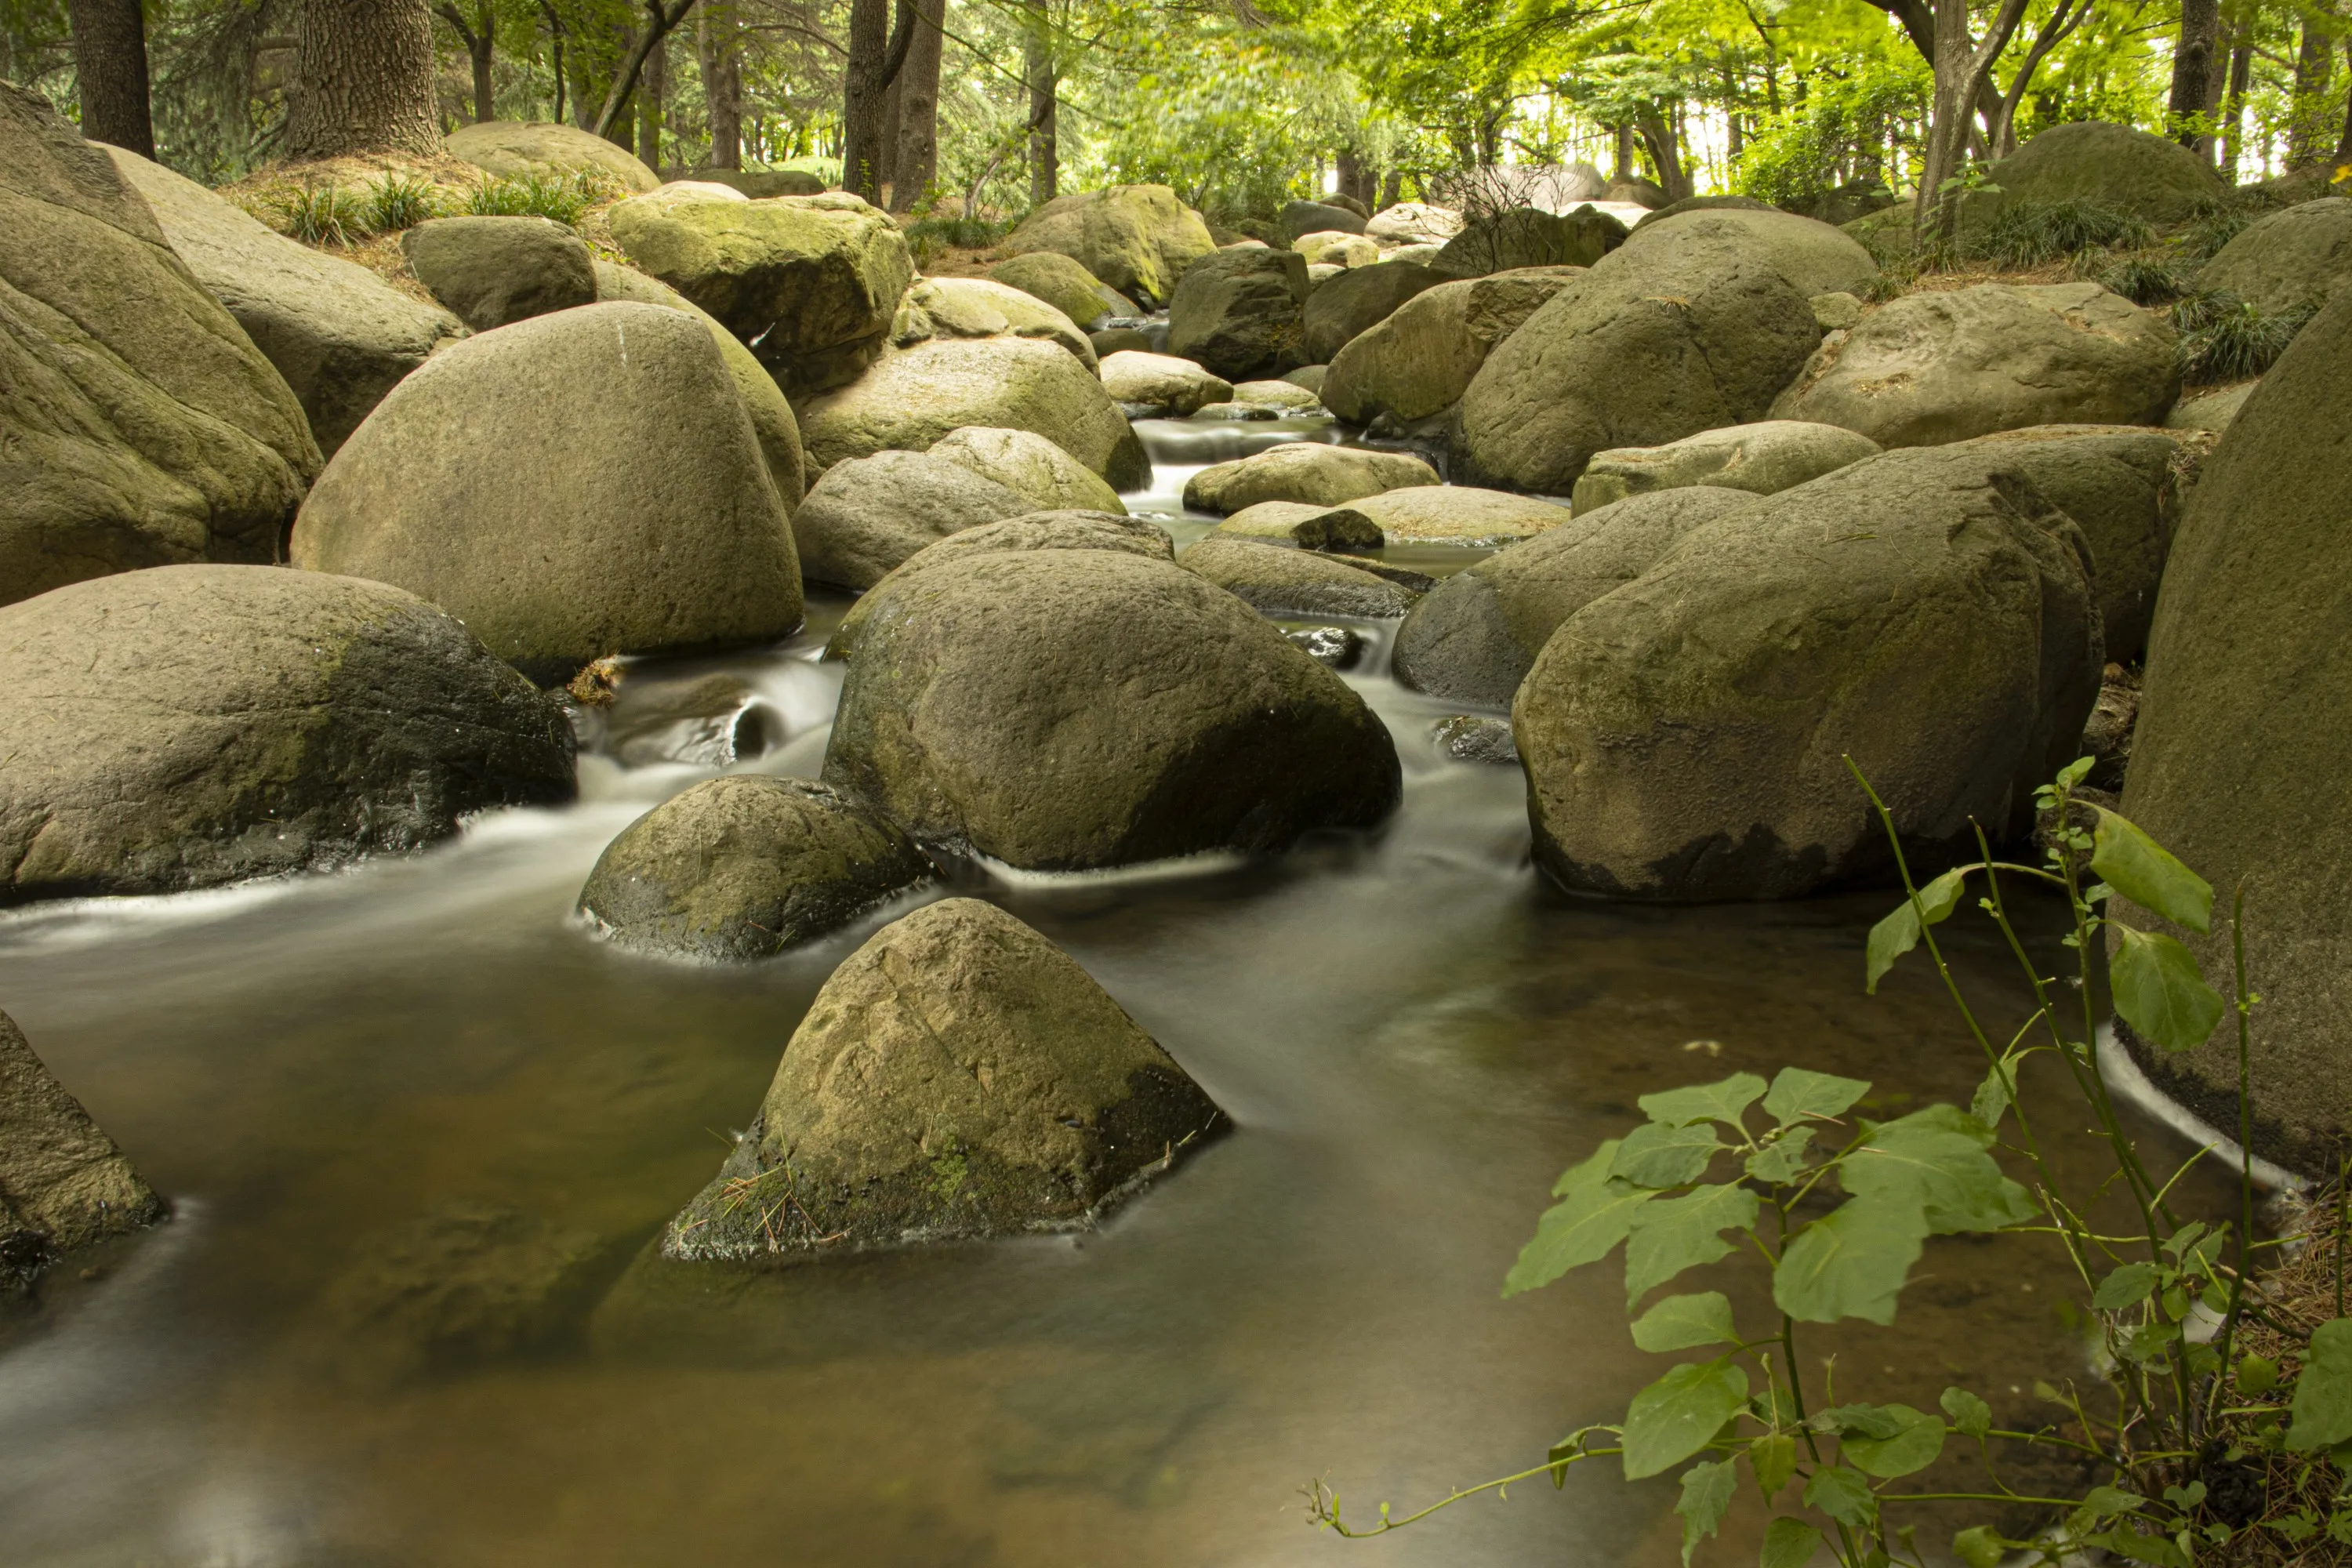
[2244,1008]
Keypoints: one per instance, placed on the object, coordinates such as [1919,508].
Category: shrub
[397,201]
[2030,234]
[2145,282]
[322,214]
[2224,338]
[566,198]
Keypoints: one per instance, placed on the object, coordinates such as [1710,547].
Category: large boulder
[773,419]
[1138,239]
[958,1077]
[976,307]
[760,184]
[2238,761]
[514,148]
[572,486]
[1924,612]
[745,866]
[1064,284]
[814,282]
[1473,637]
[868,514]
[1414,223]
[494,271]
[2298,259]
[1763,460]
[1062,709]
[1303,471]
[63,1182]
[1162,384]
[1276,580]
[142,425]
[914,396]
[1029,466]
[192,725]
[1694,323]
[1240,312]
[1947,365]
[1458,514]
[1348,306]
[2133,171]
[1529,237]
[1298,219]
[338,333]
[1334,248]
[1420,358]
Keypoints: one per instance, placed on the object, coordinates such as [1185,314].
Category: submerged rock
[494,271]
[1277,580]
[746,866]
[1305,472]
[1334,648]
[63,1182]
[959,1076]
[192,725]
[1476,738]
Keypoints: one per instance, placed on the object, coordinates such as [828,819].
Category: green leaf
[1992,1097]
[1798,1095]
[2323,1394]
[1579,1229]
[1788,1543]
[2126,1287]
[1589,1172]
[1898,933]
[2144,871]
[2158,991]
[2257,1374]
[1773,1458]
[1676,1416]
[2106,1503]
[1970,1417]
[1721,1101]
[1683,1322]
[1917,1443]
[1844,1495]
[1936,1160]
[1707,1495]
[1675,1234]
[1980,1547]
[1784,1159]
[1657,1155]
[1850,1263]
[1862,1420]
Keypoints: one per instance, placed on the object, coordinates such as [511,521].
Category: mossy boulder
[2238,762]
[745,866]
[189,726]
[1240,312]
[868,514]
[572,486]
[1066,284]
[1924,612]
[494,271]
[1420,358]
[339,335]
[976,307]
[1763,460]
[1306,471]
[63,1182]
[2298,259]
[1029,464]
[2133,171]
[514,148]
[1137,240]
[814,281]
[1945,366]
[1276,580]
[1346,308]
[1162,384]
[1063,710]
[959,1076]
[142,425]
[914,396]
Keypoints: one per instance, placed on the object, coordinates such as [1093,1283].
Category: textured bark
[2192,69]
[1963,81]
[2313,63]
[661,17]
[919,108]
[2233,111]
[365,70]
[652,102]
[109,39]
[722,82]
[862,90]
[1037,70]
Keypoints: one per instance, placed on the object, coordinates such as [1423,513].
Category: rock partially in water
[1308,526]
[1062,709]
[1285,396]
[1031,465]
[1161,385]
[1460,514]
[1476,738]
[869,514]
[495,270]
[1239,411]
[1304,471]
[63,1182]
[959,1076]
[1112,341]
[745,866]
[1277,580]
[1335,647]
[1763,460]
[189,726]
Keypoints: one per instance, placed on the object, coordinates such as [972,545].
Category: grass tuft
[2204,236]
[2224,338]
[2145,282]
[322,214]
[2032,235]
[398,202]
[565,198]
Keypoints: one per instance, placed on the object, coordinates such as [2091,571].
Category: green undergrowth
[344,216]
[2224,338]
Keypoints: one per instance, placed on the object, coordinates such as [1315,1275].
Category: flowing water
[1412,1034]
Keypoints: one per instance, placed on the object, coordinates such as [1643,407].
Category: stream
[1411,1034]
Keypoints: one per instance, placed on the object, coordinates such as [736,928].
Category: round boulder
[1762,459]
[1306,471]
[1529,237]
[1064,284]
[745,866]
[1029,466]
[1161,385]
[1299,219]
[512,149]
[1459,514]
[572,486]
[494,270]
[1240,312]
[1414,223]
[976,307]
[2134,172]
[867,515]
[2298,259]
[1064,709]
[195,725]
[1348,307]
[1137,240]
[1421,357]
[1334,248]
[958,1077]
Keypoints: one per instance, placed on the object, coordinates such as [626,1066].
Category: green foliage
[321,214]
[397,201]
[2213,227]
[2032,233]
[565,198]
[2224,338]
[2144,281]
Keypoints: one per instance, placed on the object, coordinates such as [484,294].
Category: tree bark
[2192,70]
[478,36]
[722,82]
[364,70]
[2233,112]
[2063,20]
[1666,153]
[2344,145]
[1037,70]
[2315,62]
[662,16]
[109,40]
[862,90]
[1963,78]
[919,108]
[555,52]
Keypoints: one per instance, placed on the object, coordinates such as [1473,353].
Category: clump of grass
[565,198]
[2145,282]
[322,214]
[397,201]
[2030,235]
[930,238]
[2211,229]
[2225,338]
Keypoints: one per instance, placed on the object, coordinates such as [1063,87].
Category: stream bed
[1411,1034]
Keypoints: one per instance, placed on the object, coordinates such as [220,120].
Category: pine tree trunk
[2192,69]
[722,82]
[919,108]
[1037,70]
[862,95]
[653,87]
[486,108]
[2233,112]
[365,70]
[109,39]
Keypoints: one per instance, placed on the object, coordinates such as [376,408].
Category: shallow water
[1411,1034]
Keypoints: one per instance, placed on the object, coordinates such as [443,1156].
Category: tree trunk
[862,93]
[1392,189]
[109,40]
[661,17]
[1963,82]
[722,82]
[1665,155]
[2233,111]
[1037,69]
[2192,70]
[365,80]
[918,165]
[2344,145]
[1624,153]
[555,52]
[478,35]
[2313,64]
[653,87]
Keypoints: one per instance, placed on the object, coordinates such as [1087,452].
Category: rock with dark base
[959,1076]
[1277,580]
[63,1182]
[195,725]
[494,271]
[1304,471]
[2132,172]
[1239,312]
[1527,237]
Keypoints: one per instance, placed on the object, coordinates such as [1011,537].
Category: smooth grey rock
[1276,580]
[869,514]
[2298,259]
[495,270]
[1761,459]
